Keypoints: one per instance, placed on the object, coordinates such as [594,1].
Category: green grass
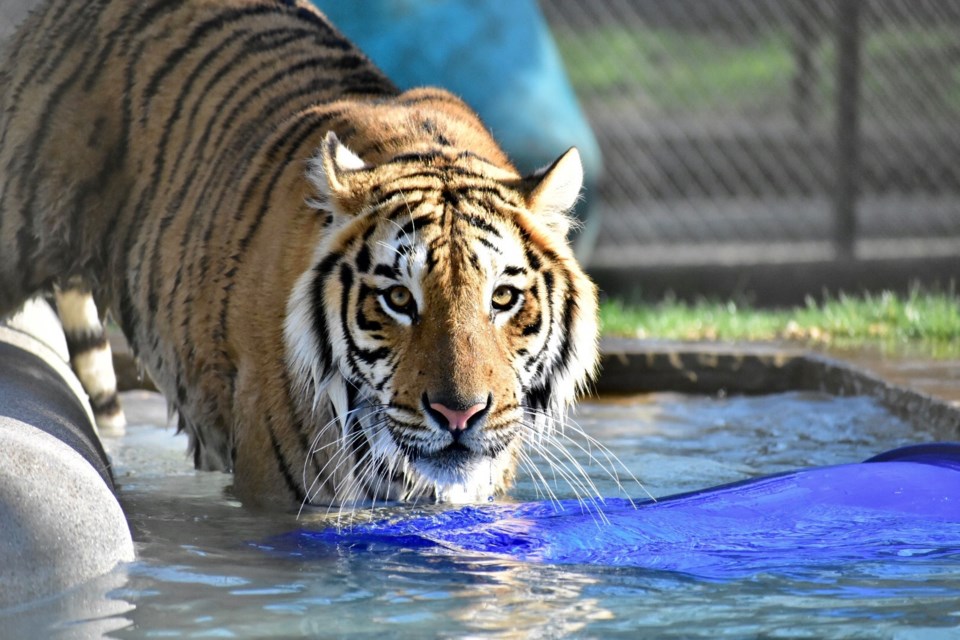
[930,321]
[688,70]
[676,69]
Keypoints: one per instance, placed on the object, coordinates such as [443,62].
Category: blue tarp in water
[497,55]
[899,505]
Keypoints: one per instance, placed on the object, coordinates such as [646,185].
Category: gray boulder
[60,522]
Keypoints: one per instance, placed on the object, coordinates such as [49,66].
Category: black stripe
[538,396]
[321,272]
[110,40]
[250,145]
[314,85]
[363,256]
[150,16]
[354,352]
[293,128]
[363,259]
[569,306]
[201,145]
[84,341]
[488,189]
[283,164]
[160,156]
[236,258]
[533,327]
[129,278]
[477,222]
[160,163]
[422,157]
[548,298]
[432,259]
[411,226]
[437,95]
[78,29]
[366,82]
[386,270]
[51,34]
[533,259]
[489,245]
[217,25]
[107,405]
[26,236]
[257,44]
[295,420]
[475,261]
[283,466]
[364,323]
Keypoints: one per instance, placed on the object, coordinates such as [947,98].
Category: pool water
[200,573]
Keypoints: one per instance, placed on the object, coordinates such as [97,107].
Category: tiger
[346,292]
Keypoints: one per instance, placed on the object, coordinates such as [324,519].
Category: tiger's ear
[553,190]
[339,176]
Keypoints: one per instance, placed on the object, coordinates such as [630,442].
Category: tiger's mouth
[455,454]
[451,464]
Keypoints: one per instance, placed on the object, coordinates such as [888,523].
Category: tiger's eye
[504,297]
[400,299]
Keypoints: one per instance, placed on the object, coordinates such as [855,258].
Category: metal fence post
[804,40]
[848,126]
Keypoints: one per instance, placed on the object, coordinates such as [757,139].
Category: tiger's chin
[460,475]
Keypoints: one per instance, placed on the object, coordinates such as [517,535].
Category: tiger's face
[444,319]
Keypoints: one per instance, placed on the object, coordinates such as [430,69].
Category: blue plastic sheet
[498,55]
[899,506]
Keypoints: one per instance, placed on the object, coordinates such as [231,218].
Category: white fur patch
[95,370]
[561,184]
[77,311]
[112,425]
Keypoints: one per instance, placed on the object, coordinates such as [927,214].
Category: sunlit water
[200,575]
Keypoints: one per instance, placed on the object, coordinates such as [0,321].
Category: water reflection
[202,571]
[94,609]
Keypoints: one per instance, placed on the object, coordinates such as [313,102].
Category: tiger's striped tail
[91,357]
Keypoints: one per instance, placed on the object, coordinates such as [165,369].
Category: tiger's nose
[457,417]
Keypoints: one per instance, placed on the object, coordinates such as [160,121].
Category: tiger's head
[444,323]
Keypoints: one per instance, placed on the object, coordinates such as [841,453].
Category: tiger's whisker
[613,462]
[535,473]
[576,477]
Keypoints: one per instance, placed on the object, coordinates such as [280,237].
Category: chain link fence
[769,130]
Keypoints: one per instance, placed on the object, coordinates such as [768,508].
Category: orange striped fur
[347,293]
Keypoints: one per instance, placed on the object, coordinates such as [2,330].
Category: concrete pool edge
[631,365]
[60,522]
[636,366]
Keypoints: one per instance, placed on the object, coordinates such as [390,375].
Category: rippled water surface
[201,575]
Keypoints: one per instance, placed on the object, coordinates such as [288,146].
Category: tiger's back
[105,106]
[156,154]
